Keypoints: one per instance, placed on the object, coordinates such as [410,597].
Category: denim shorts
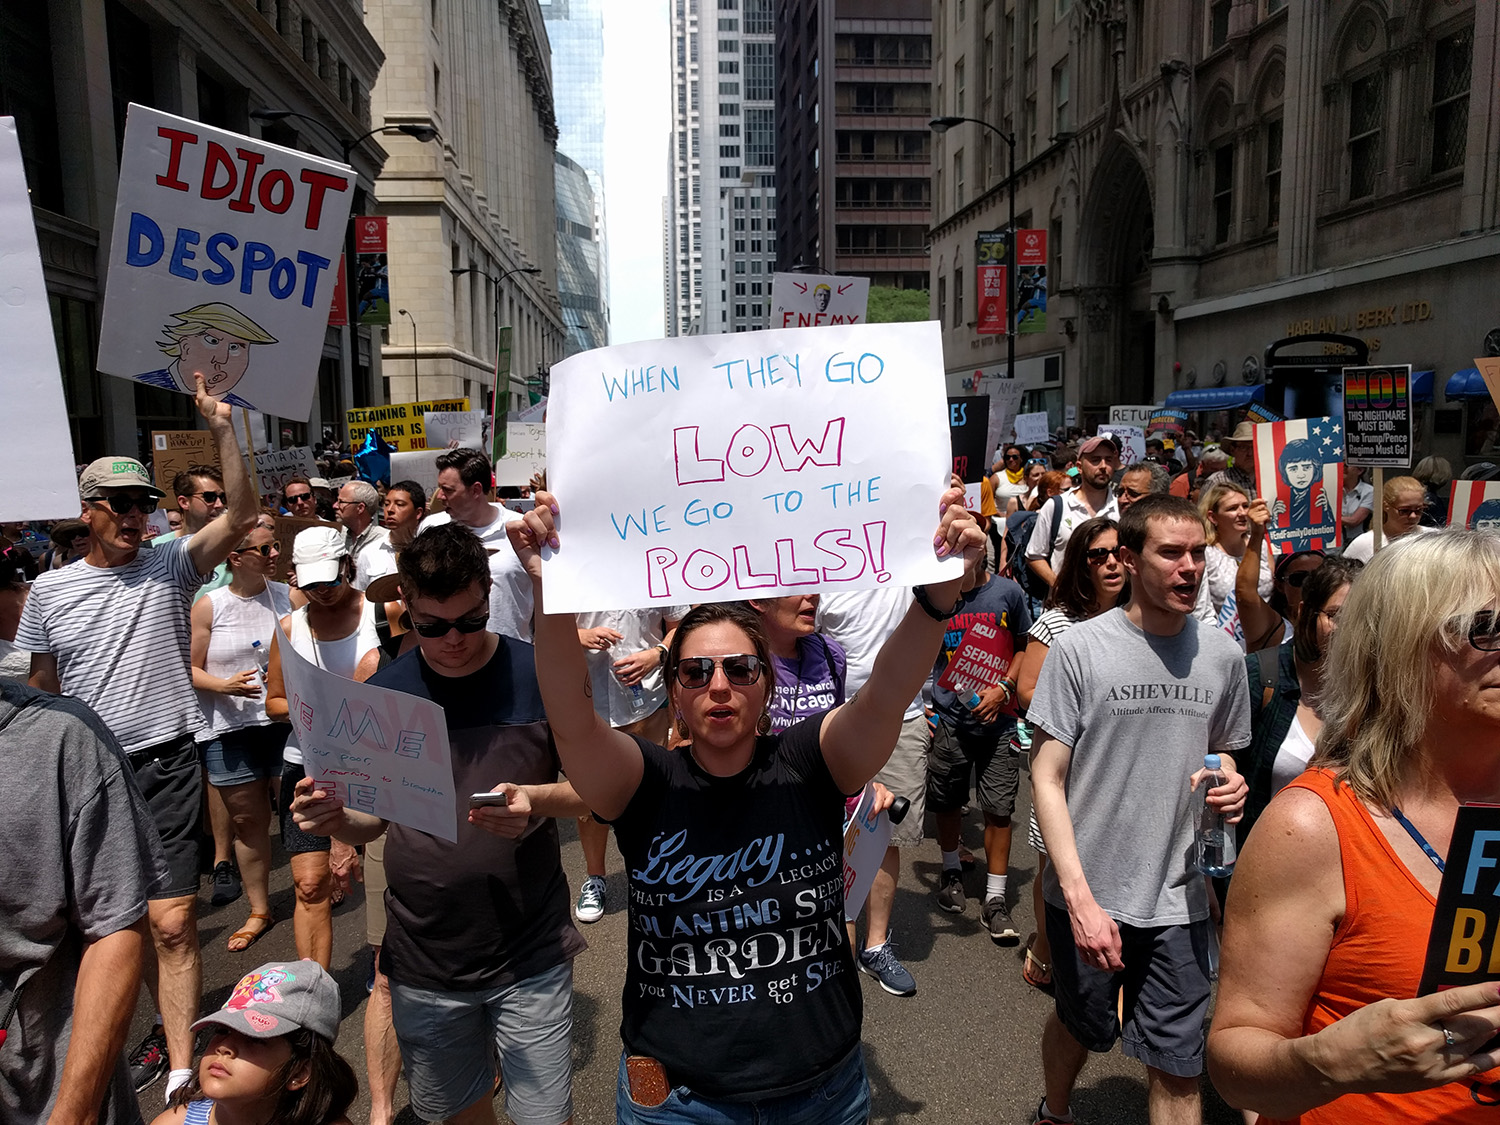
[293,839]
[237,757]
[842,1098]
[449,1042]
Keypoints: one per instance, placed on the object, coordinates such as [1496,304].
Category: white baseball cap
[318,554]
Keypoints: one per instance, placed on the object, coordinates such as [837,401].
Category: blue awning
[1468,383]
[1216,398]
[1421,386]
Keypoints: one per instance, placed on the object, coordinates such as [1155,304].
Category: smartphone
[488,801]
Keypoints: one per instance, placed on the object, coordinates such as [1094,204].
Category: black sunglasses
[312,587]
[124,505]
[212,497]
[293,497]
[265,549]
[1484,634]
[1099,554]
[1012,456]
[440,627]
[698,671]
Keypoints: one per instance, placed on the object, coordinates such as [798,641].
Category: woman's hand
[315,811]
[958,531]
[599,638]
[345,866]
[1260,516]
[241,683]
[631,670]
[533,531]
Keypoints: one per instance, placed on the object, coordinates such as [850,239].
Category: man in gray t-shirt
[1126,706]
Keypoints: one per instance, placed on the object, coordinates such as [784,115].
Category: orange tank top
[1377,952]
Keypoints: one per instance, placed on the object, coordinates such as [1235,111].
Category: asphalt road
[964,1049]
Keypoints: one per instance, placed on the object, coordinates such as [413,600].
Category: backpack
[1018,530]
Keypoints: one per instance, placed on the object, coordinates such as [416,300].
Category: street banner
[274,467]
[36,457]
[1173,422]
[372,273]
[1031,429]
[172,451]
[455,429]
[989,281]
[1031,281]
[801,458]
[500,394]
[1377,417]
[867,834]
[338,310]
[400,423]
[1299,470]
[1131,415]
[1461,946]
[1132,441]
[222,262]
[379,751]
[525,454]
[801,300]
[1475,504]
[968,430]
[1005,400]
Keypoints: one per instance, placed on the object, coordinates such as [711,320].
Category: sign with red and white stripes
[1299,470]
[1475,504]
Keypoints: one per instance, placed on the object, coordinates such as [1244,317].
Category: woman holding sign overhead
[1318,1017]
[740,986]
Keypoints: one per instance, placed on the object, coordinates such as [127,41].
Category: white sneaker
[590,904]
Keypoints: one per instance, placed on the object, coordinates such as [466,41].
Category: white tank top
[340,656]
[238,623]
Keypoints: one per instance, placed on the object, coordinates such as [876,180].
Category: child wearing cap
[271,1056]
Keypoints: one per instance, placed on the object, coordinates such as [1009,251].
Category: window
[958,179]
[729,152]
[1366,108]
[1223,197]
[739,224]
[739,288]
[1061,121]
[728,47]
[1218,23]
[729,109]
[987,71]
[739,245]
[942,299]
[756,288]
[958,87]
[755,267]
[729,90]
[729,25]
[729,171]
[958,298]
[1452,65]
[757,310]
[760,137]
[758,17]
[729,129]
[1273,172]
[739,310]
[755,246]
[729,66]
[760,72]
[739,267]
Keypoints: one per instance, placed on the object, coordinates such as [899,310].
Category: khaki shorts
[375,885]
[905,775]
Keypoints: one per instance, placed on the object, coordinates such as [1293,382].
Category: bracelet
[663,650]
[920,593]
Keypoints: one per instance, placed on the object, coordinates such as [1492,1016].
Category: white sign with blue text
[222,261]
[750,465]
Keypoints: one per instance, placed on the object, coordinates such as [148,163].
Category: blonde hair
[1209,502]
[1391,494]
[213,317]
[1412,606]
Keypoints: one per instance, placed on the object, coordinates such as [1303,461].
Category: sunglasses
[1097,555]
[1410,512]
[124,505]
[313,587]
[264,550]
[1036,461]
[212,497]
[698,671]
[295,497]
[1012,456]
[440,627]
[1484,634]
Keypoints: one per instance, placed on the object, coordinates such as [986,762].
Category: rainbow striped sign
[1377,416]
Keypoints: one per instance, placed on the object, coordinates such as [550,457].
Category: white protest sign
[801,458]
[1131,415]
[866,836]
[525,454]
[804,300]
[274,467]
[1132,441]
[1032,428]
[536,412]
[1005,400]
[383,752]
[36,455]
[222,261]
[418,466]
[454,429]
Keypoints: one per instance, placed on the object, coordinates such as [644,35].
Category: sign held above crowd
[807,300]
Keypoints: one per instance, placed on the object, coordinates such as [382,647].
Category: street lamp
[496,281]
[416,373]
[941,125]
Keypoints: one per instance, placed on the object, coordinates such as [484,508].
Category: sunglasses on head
[698,671]
[124,505]
[1097,555]
[212,497]
[440,627]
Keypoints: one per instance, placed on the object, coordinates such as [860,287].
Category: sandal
[250,937]
[1035,971]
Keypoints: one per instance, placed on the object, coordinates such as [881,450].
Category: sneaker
[1021,739]
[1001,925]
[891,973]
[1040,1118]
[951,893]
[590,904]
[148,1062]
[227,886]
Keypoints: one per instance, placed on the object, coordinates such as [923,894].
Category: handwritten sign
[1461,947]
[222,262]
[867,834]
[287,529]
[536,412]
[1299,469]
[172,451]
[1377,416]
[274,467]
[800,458]
[454,429]
[1131,415]
[383,752]
[1005,402]
[400,423]
[1032,428]
[1475,504]
[800,300]
[525,454]
[1132,441]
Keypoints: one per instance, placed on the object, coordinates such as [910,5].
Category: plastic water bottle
[971,702]
[637,700]
[1215,837]
[262,661]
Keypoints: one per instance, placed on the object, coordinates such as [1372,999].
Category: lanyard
[1411,830]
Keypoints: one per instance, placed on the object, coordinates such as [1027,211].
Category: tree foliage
[891,305]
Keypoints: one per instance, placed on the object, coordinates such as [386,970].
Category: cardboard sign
[800,300]
[274,467]
[1489,371]
[980,661]
[801,458]
[172,451]
[455,429]
[525,456]
[1475,504]
[1005,401]
[287,528]
[222,261]
[36,456]
[1377,417]
[382,752]
[1132,441]
[1299,470]
[989,282]
[968,433]
[1031,281]
[1461,946]
[400,423]
[867,834]
[1132,415]
[1031,429]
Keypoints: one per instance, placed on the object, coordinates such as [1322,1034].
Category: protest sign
[1032,428]
[1475,504]
[222,262]
[156,522]
[1173,422]
[36,457]
[536,412]
[968,430]
[372,279]
[419,466]
[1299,471]
[802,458]
[1258,412]
[1462,944]
[1070,416]
[172,451]
[979,661]
[1132,415]
[989,282]
[1377,417]
[454,429]
[525,454]
[1031,281]
[400,423]
[380,751]
[500,395]
[1005,401]
[274,467]
[800,300]
[867,834]
[287,528]
[1132,441]
[1489,371]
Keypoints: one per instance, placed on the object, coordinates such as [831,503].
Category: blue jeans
[842,1098]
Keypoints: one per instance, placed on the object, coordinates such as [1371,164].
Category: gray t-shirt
[70,806]
[1140,711]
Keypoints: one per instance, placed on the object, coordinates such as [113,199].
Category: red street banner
[1299,471]
[989,253]
[373,277]
[338,311]
[369,234]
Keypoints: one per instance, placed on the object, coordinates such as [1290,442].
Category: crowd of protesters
[144,722]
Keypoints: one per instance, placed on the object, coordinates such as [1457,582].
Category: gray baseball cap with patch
[115,472]
[280,998]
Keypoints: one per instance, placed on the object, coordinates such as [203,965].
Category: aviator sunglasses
[440,627]
[697,671]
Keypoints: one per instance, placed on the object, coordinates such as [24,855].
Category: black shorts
[957,756]
[1166,983]
[171,780]
[293,839]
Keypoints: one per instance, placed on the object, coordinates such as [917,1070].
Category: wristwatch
[920,593]
[663,650]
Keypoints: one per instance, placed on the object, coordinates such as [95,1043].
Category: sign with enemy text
[1377,417]
[799,459]
[382,752]
[222,263]
[800,300]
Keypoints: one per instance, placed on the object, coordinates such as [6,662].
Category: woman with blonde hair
[1225,509]
[1318,1020]
[1403,501]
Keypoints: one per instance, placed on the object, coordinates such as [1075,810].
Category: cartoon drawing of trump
[214,340]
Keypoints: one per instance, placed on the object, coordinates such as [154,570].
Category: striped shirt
[122,639]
